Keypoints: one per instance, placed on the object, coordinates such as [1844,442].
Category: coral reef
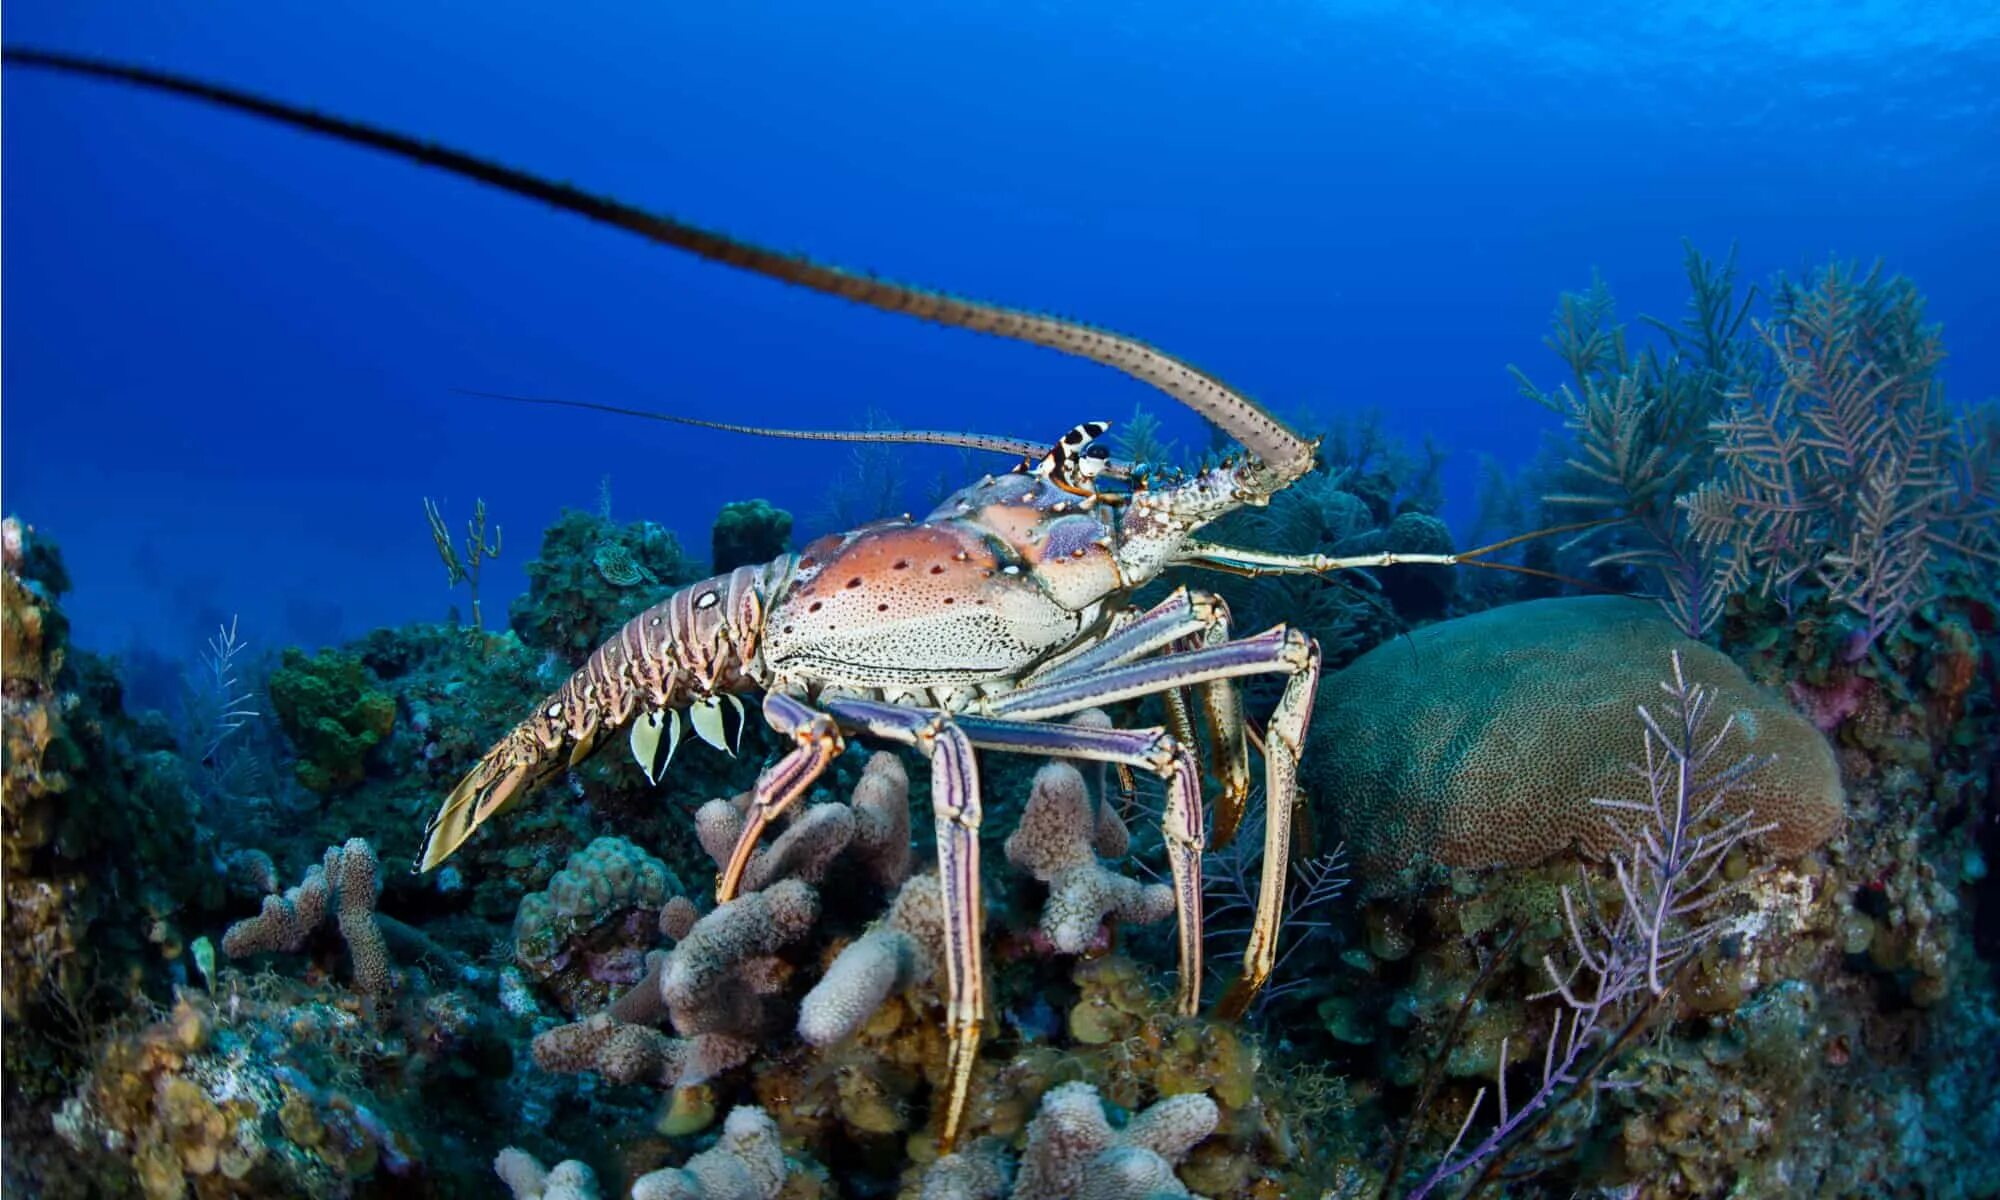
[1713,974]
[346,882]
[104,860]
[258,1095]
[335,713]
[1484,740]
[573,603]
[748,532]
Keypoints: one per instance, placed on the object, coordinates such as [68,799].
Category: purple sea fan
[1628,957]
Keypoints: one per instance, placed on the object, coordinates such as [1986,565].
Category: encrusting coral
[577,934]
[258,1095]
[347,881]
[1484,740]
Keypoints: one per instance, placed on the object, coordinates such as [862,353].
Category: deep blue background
[229,348]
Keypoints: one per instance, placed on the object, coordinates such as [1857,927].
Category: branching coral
[748,1163]
[873,830]
[1848,471]
[527,1179]
[1054,843]
[347,880]
[1073,1152]
[713,987]
[904,948]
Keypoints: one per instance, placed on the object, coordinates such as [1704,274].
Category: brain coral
[1483,740]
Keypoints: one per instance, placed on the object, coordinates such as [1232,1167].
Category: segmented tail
[686,652]
[516,765]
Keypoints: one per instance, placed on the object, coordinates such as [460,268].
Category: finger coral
[1072,1151]
[1054,843]
[873,829]
[527,1179]
[1484,741]
[348,880]
[713,987]
[904,948]
[747,1164]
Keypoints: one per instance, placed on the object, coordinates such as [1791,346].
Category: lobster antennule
[998,444]
[1282,450]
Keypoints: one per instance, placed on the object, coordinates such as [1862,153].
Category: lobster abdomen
[702,641]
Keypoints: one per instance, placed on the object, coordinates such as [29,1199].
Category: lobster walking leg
[1153,750]
[1182,613]
[1278,651]
[777,789]
[956,810]
[1228,741]
[1284,743]
[1185,620]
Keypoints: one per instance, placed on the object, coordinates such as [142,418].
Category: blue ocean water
[230,351]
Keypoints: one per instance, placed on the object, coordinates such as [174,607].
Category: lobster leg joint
[819,743]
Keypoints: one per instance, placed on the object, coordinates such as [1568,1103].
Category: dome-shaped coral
[1483,741]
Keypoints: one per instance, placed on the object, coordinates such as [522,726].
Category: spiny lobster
[978,627]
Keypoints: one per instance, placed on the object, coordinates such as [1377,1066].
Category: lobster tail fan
[1283,451]
[503,775]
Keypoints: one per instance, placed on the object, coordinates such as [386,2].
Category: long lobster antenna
[1264,435]
[1015,447]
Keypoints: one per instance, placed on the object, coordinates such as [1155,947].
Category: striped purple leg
[1279,651]
[955,809]
[819,743]
[1152,750]
[1183,621]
